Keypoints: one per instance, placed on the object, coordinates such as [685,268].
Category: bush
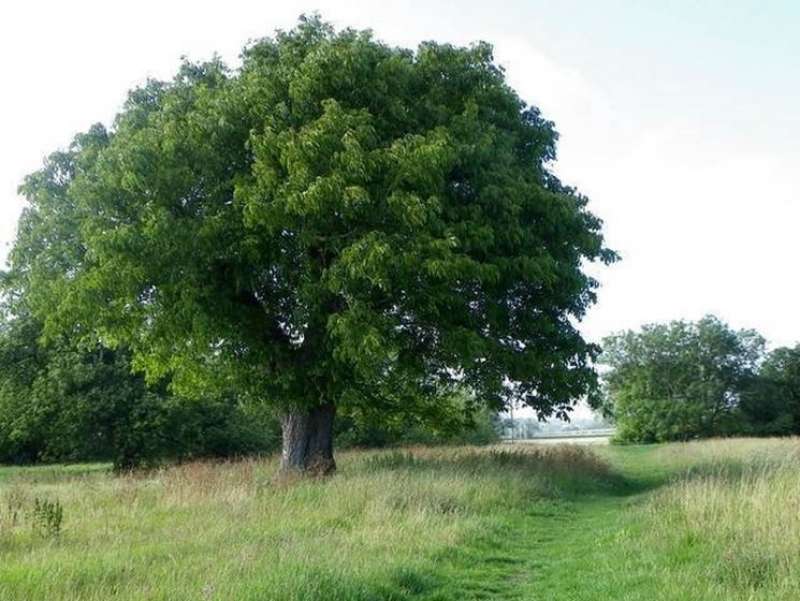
[62,403]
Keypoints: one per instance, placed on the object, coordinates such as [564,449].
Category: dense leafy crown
[336,219]
[678,380]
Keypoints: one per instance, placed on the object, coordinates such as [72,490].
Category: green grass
[701,521]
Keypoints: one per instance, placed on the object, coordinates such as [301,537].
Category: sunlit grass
[731,519]
[230,531]
[702,521]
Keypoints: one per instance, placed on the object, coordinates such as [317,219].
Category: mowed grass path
[717,520]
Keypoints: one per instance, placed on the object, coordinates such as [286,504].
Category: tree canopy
[679,380]
[60,402]
[772,404]
[335,223]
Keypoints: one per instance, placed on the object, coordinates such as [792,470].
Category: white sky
[679,122]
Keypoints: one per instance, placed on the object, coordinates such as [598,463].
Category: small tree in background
[336,224]
[678,380]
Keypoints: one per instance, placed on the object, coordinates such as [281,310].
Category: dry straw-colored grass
[724,527]
[737,507]
[229,530]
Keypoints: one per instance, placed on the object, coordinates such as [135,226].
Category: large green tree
[678,380]
[336,223]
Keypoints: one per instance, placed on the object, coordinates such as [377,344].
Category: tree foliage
[679,380]
[771,405]
[62,403]
[336,222]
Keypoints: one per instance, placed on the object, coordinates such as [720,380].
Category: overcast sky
[680,122]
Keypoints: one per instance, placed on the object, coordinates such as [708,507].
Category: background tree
[62,403]
[678,380]
[336,224]
[771,405]
[431,420]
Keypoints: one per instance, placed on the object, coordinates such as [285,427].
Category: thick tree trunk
[308,441]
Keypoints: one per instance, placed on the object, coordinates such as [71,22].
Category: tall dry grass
[229,530]
[731,520]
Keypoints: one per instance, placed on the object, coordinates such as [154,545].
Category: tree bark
[308,441]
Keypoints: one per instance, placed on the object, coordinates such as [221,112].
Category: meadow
[713,520]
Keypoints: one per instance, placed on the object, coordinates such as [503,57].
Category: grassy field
[717,520]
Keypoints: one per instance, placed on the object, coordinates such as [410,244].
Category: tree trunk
[308,441]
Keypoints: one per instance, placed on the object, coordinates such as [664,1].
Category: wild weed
[47,517]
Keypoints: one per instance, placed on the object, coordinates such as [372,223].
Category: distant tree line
[63,402]
[532,427]
[683,380]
